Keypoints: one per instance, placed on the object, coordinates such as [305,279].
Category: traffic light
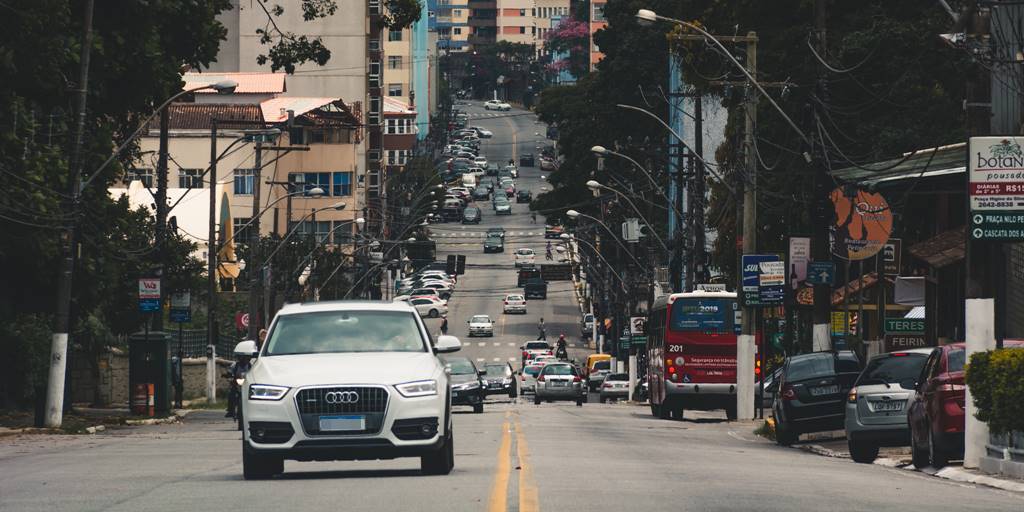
[450,265]
[460,267]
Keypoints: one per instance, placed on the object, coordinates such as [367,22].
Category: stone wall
[110,386]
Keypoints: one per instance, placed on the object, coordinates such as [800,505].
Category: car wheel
[861,452]
[536,398]
[655,410]
[434,313]
[441,462]
[677,412]
[784,436]
[579,402]
[478,408]
[259,467]
[936,452]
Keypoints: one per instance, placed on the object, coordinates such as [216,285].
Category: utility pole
[698,259]
[256,266]
[821,217]
[745,346]
[161,207]
[62,318]
[211,274]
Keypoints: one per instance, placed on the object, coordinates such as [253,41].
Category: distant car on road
[598,371]
[525,256]
[532,349]
[502,206]
[524,196]
[876,407]
[615,386]
[480,325]
[494,244]
[553,231]
[514,303]
[482,133]
[587,326]
[536,289]
[528,378]
[432,307]
[471,215]
[467,383]
[559,381]
[500,379]
[497,105]
[526,160]
[496,231]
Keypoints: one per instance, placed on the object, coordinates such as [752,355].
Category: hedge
[996,379]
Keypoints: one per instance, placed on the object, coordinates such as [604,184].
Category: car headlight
[418,388]
[506,380]
[267,392]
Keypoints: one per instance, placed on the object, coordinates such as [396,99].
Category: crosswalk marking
[496,359]
[511,344]
[512,359]
[482,344]
[496,344]
[480,359]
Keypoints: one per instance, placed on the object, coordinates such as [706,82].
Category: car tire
[478,408]
[918,455]
[441,462]
[434,313]
[655,410]
[260,467]
[862,452]
[784,436]
[936,452]
[536,398]
[677,411]
[579,402]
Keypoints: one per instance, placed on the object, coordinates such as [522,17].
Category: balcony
[483,4]
[476,21]
[477,40]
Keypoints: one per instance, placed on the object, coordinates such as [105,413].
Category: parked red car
[936,414]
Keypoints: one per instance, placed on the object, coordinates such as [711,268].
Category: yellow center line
[528,496]
[499,492]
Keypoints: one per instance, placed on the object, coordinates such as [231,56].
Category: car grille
[372,404]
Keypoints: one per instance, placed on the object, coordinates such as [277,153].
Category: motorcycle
[561,353]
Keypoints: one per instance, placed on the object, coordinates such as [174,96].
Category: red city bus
[691,349]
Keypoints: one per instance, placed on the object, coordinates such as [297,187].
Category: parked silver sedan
[876,406]
[559,381]
[615,386]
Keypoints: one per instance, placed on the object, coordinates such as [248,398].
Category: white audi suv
[347,381]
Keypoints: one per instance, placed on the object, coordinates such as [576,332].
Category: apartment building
[515,21]
[547,15]
[398,69]
[483,22]
[597,22]
[452,25]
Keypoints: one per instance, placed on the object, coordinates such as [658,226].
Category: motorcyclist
[540,327]
[235,373]
[560,348]
[547,255]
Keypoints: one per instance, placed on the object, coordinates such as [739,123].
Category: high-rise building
[483,22]
[452,24]
[597,22]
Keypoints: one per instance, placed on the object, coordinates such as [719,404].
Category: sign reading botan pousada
[996,166]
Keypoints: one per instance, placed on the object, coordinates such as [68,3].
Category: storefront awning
[941,250]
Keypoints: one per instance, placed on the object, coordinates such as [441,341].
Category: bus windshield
[703,315]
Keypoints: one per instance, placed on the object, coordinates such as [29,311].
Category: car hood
[463,378]
[350,368]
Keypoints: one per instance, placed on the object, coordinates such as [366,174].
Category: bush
[996,379]
[26,364]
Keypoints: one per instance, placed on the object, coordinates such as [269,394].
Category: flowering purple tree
[570,40]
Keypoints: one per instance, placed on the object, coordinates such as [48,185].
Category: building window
[398,157]
[241,231]
[522,30]
[394,62]
[244,181]
[315,179]
[598,12]
[394,89]
[533,11]
[456,13]
[522,12]
[342,184]
[190,178]
[145,175]
[374,45]
[399,126]
[342,231]
[458,31]
[395,35]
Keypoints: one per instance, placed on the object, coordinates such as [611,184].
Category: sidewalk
[833,444]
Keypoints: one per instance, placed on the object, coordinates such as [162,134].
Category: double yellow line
[528,498]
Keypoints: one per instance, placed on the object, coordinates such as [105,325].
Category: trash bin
[149,373]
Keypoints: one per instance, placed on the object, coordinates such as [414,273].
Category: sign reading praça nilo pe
[996,166]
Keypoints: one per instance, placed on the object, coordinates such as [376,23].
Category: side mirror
[447,344]
[247,348]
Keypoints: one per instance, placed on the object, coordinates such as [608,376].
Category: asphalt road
[516,456]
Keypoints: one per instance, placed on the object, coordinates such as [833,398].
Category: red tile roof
[196,116]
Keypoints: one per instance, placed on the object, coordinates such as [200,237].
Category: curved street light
[595,186]
[602,151]
[573,214]
[313,192]
[340,205]
[622,283]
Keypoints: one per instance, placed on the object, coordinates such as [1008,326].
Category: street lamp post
[595,186]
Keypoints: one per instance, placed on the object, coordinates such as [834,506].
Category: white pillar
[822,338]
[211,374]
[58,372]
[745,377]
[980,328]
[632,376]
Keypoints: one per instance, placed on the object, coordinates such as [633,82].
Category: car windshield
[955,360]
[461,366]
[525,252]
[480,319]
[893,369]
[535,345]
[617,376]
[603,365]
[558,369]
[810,366]
[532,371]
[345,331]
[497,370]
[514,297]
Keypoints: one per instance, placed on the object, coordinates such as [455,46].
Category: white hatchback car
[481,325]
[347,381]
[514,303]
[496,105]
[525,256]
[429,306]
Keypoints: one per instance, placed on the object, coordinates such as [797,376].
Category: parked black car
[467,384]
[526,274]
[471,215]
[526,160]
[524,196]
[812,393]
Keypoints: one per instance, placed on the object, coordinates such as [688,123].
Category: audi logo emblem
[341,397]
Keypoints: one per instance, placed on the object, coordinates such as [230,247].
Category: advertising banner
[863,224]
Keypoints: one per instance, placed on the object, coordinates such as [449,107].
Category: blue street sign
[821,272]
[149,305]
[181,316]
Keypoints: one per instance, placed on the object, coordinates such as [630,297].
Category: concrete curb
[175,417]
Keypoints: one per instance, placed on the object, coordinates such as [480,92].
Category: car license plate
[887,406]
[342,423]
[825,390]
[558,383]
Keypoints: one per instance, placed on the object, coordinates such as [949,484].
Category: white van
[469,181]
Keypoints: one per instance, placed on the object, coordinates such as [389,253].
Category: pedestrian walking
[444,324]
